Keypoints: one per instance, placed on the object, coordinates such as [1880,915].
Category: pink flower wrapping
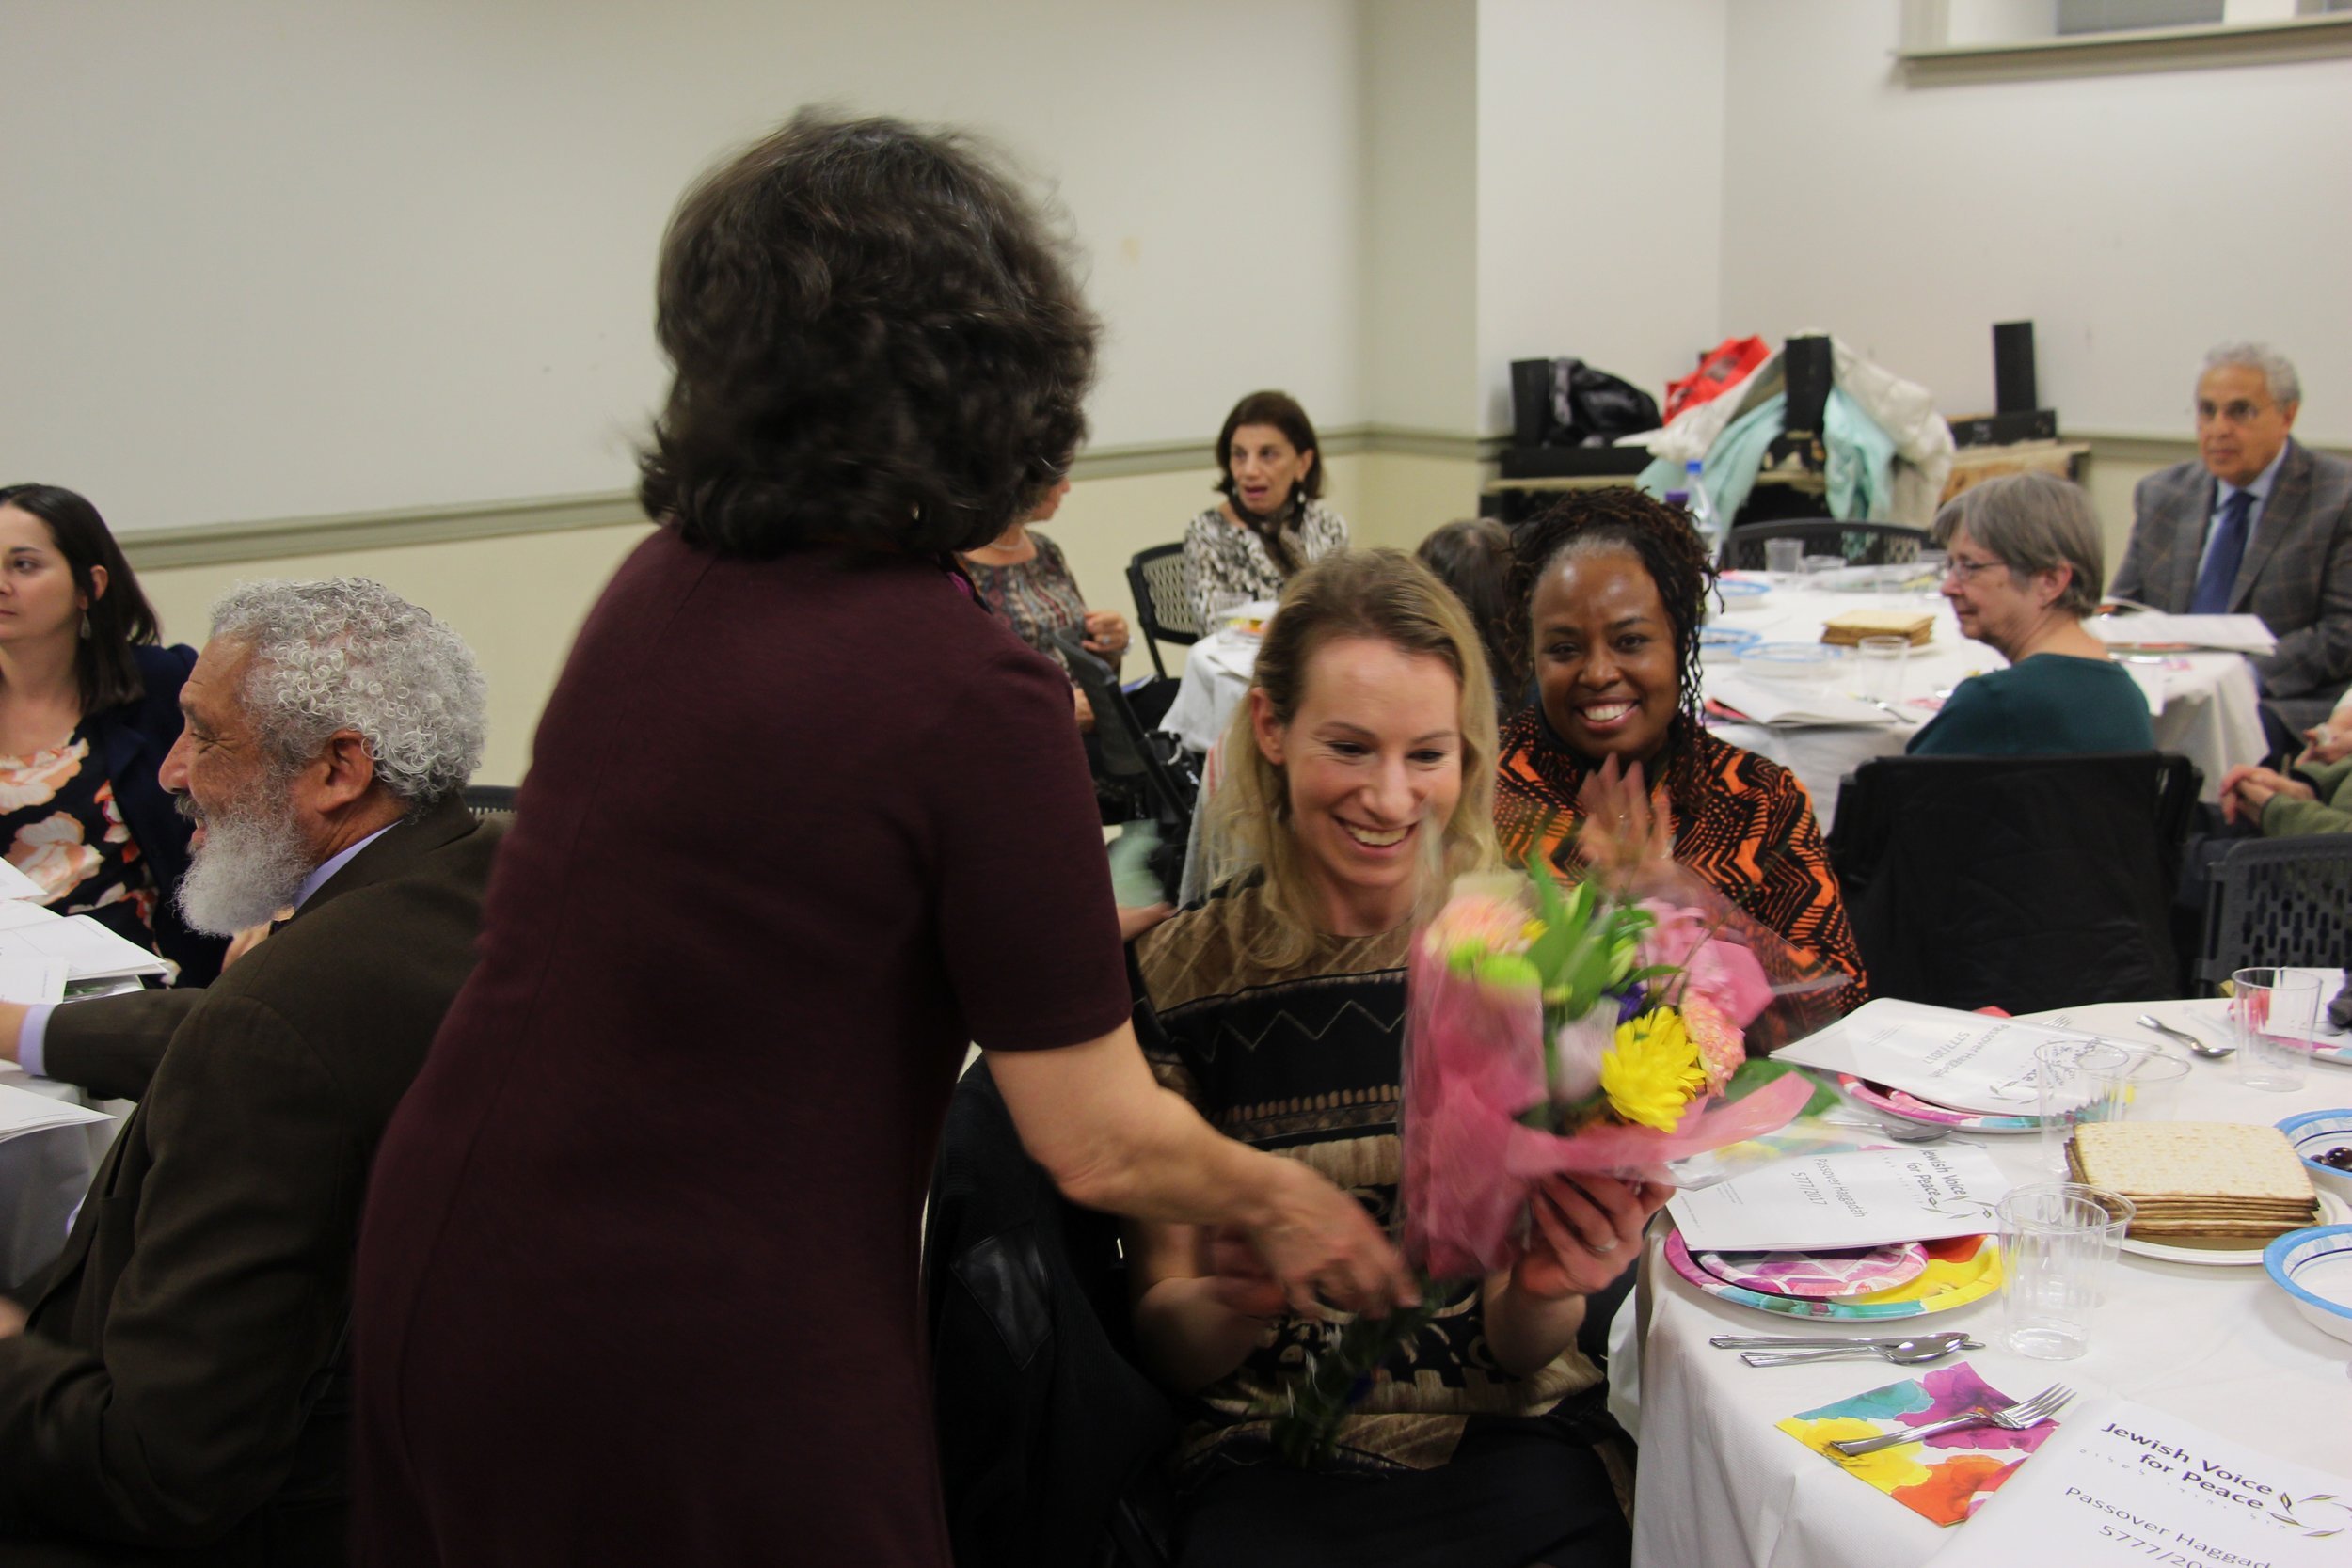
[1474,1063]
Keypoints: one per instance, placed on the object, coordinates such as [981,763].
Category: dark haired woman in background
[1272,521]
[638,1278]
[1609,588]
[89,703]
[1473,556]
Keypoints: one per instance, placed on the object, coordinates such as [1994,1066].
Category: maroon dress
[638,1282]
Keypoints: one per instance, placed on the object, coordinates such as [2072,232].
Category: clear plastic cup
[1879,667]
[1783,557]
[2077,1081]
[1815,565]
[2271,1012]
[2153,1093]
[2059,1240]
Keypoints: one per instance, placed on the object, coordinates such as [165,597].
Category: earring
[86,626]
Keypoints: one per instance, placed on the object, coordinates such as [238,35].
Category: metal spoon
[1904,1353]
[2211,1052]
[1892,1127]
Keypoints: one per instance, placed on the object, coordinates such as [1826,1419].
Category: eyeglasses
[1966,570]
[2238,411]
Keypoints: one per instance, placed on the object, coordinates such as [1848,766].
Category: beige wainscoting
[517,578]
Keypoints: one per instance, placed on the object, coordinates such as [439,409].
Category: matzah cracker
[2193,1160]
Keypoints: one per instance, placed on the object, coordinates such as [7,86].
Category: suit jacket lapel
[2189,549]
[2283,515]
[400,846]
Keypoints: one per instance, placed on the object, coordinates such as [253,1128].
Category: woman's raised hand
[1584,1232]
[1623,825]
[1106,633]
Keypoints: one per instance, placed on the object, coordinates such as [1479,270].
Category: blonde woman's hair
[1385,597]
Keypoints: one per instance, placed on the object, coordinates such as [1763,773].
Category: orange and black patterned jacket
[1752,834]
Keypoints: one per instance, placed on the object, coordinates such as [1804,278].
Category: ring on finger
[1602,1250]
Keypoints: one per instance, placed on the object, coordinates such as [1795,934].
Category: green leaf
[1753,1075]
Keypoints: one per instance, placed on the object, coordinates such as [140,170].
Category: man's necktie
[2219,573]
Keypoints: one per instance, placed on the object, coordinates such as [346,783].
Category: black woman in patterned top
[1609,588]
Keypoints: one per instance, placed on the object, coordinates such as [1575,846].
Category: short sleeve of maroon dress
[638,1280]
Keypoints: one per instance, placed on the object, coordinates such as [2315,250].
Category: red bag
[1721,369]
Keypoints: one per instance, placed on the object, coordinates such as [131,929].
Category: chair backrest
[1130,757]
[2024,882]
[492,802]
[1859,544]
[2279,901]
[1052,1441]
[1156,578]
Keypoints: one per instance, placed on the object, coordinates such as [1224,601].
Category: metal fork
[2025,1412]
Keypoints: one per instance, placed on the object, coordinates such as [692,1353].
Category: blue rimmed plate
[1740,594]
[2314,1268]
[2313,1133]
[1725,641]
[1895,1102]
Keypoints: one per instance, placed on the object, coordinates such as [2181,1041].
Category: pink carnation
[1716,968]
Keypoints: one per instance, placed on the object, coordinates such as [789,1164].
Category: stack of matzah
[1848,627]
[2219,1179]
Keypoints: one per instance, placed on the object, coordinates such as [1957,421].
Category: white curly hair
[349,653]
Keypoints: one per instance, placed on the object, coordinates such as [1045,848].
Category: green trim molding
[275,539]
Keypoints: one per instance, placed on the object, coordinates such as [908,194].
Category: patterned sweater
[1753,836]
[1305,1063]
[1222,558]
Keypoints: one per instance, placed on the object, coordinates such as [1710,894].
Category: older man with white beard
[176,1380]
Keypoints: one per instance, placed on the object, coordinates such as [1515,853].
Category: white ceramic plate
[2234,1252]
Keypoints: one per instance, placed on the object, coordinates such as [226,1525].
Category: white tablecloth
[2204,706]
[2222,1347]
[2207,711]
[45,1175]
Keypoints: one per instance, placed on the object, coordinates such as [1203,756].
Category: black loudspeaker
[1806,363]
[2013,387]
[1531,401]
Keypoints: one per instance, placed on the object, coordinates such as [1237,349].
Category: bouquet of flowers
[1559,1029]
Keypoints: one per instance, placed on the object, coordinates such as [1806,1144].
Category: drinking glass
[1815,564]
[1783,557]
[2058,1239]
[2272,1012]
[1880,671]
[2154,1089]
[2078,1082]
[1222,603]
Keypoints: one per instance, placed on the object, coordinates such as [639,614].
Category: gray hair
[2277,370]
[349,653]
[2033,523]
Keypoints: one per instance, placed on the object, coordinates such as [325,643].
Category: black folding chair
[1858,544]
[492,802]
[1156,578]
[2279,901]
[2024,882]
[1141,762]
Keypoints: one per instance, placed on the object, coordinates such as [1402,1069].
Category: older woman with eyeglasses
[2024,569]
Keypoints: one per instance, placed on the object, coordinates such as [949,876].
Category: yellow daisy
[1653,1071]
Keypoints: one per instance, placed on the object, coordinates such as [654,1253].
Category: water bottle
[1702,509]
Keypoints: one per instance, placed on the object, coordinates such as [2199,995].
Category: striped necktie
[2219,573]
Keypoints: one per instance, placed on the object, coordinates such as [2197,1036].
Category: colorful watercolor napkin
[1943,1479]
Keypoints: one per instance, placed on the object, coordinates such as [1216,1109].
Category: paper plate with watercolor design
[1824,1275]
[1895,1102]
[1959,1269]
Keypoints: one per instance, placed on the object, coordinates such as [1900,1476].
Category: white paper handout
[29,977]
[14,884]
[1874,1198]
[89,950]
[1968,1061]
[2120,1483]
[2228,634]
[1792,704]
[22,1111]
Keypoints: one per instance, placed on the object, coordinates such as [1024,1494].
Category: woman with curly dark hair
[1609,588]
[638,1280]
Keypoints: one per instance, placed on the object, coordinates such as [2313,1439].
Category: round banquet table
[2204,706]
[2218,1346]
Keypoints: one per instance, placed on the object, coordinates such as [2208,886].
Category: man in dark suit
[2257,525]
[174,1388]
